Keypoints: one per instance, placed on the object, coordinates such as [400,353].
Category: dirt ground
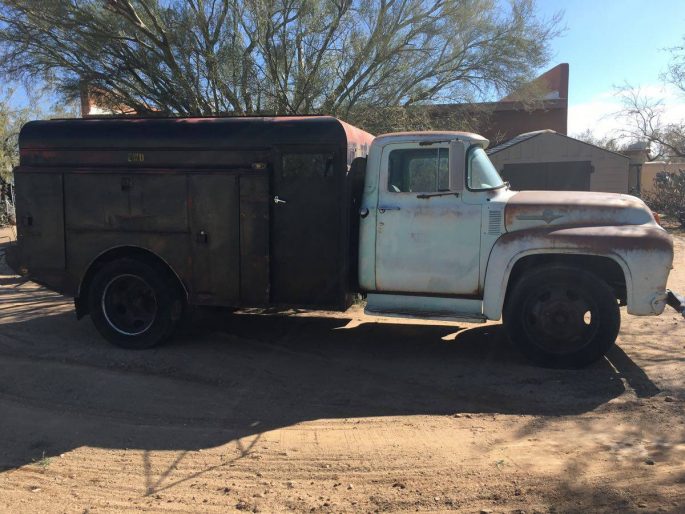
[332,412]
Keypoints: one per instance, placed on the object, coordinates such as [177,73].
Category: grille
[495,223]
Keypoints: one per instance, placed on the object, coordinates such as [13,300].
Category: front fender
[644,253]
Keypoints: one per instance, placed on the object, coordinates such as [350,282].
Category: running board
[425,307]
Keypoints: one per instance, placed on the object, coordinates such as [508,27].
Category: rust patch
[599,239]
[575,208]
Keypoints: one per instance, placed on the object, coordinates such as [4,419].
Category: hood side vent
[495,223]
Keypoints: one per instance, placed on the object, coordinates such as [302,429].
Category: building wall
[610,169]
[505,124]
[650,170]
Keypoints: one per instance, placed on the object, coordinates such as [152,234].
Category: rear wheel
[134,304]
[562,317]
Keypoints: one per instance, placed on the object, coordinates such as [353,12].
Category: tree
[202,57]
[675,74]
[643,114]
[644,121]
[13,115]
[11,120]
[607,142]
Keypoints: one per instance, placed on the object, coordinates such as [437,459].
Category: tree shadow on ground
[234,376]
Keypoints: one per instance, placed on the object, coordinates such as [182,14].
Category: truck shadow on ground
[231,377]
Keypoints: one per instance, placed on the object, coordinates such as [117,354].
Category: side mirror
[457,165]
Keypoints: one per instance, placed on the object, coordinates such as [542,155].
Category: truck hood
[529,209]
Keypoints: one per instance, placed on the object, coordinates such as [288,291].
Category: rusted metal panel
[644,253]
[127,183]
[529,209]
[97,160]
[167,141]
[126,202]
[40,224]
[84,247]
[254,239]
[214,237]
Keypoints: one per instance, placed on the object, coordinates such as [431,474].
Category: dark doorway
[306,227]
[549,176]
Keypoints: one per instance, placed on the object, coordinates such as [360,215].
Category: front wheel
[133,304]
[562,317]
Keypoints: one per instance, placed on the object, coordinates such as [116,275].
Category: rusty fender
[644,253]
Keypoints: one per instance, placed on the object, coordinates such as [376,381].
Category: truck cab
[442,236]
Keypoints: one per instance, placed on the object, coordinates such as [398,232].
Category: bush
[668,196]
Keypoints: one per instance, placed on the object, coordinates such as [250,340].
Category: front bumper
[676,301]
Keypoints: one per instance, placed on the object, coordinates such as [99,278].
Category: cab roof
[440,135]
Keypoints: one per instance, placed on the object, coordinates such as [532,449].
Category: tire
[562,317]
[134,304]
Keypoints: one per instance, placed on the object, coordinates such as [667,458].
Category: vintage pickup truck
[140,218]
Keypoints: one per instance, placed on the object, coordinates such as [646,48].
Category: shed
[547,160]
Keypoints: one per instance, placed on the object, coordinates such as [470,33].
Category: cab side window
[418,170]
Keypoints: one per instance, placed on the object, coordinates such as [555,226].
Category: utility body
[140,218]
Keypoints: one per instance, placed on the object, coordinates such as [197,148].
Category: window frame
[467,175]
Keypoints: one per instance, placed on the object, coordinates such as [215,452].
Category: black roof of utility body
[180,133]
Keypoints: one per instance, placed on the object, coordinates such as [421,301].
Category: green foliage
[668,196]
[204,57]
[12,118]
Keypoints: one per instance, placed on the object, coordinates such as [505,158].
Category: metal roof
[530,135]
[519,139]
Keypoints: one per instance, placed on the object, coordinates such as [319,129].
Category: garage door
[549,176]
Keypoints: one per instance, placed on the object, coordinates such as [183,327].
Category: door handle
[388,208]
[202,237]
[363,212]
[277,200]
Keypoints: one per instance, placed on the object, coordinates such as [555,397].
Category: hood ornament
[548,216]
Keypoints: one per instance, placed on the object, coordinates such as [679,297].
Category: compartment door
[40,220]
[306,264]
[215,234]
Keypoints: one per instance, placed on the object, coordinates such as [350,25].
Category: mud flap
[676,301]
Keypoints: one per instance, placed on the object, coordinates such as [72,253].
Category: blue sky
[609,42]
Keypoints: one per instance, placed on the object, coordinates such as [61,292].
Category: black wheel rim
[560,318]
[129,304]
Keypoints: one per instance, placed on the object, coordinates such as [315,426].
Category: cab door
[427,238]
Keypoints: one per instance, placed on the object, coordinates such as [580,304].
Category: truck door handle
[202,237]
[388,208]
[277,200]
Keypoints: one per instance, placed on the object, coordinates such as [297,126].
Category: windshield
[482,174]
